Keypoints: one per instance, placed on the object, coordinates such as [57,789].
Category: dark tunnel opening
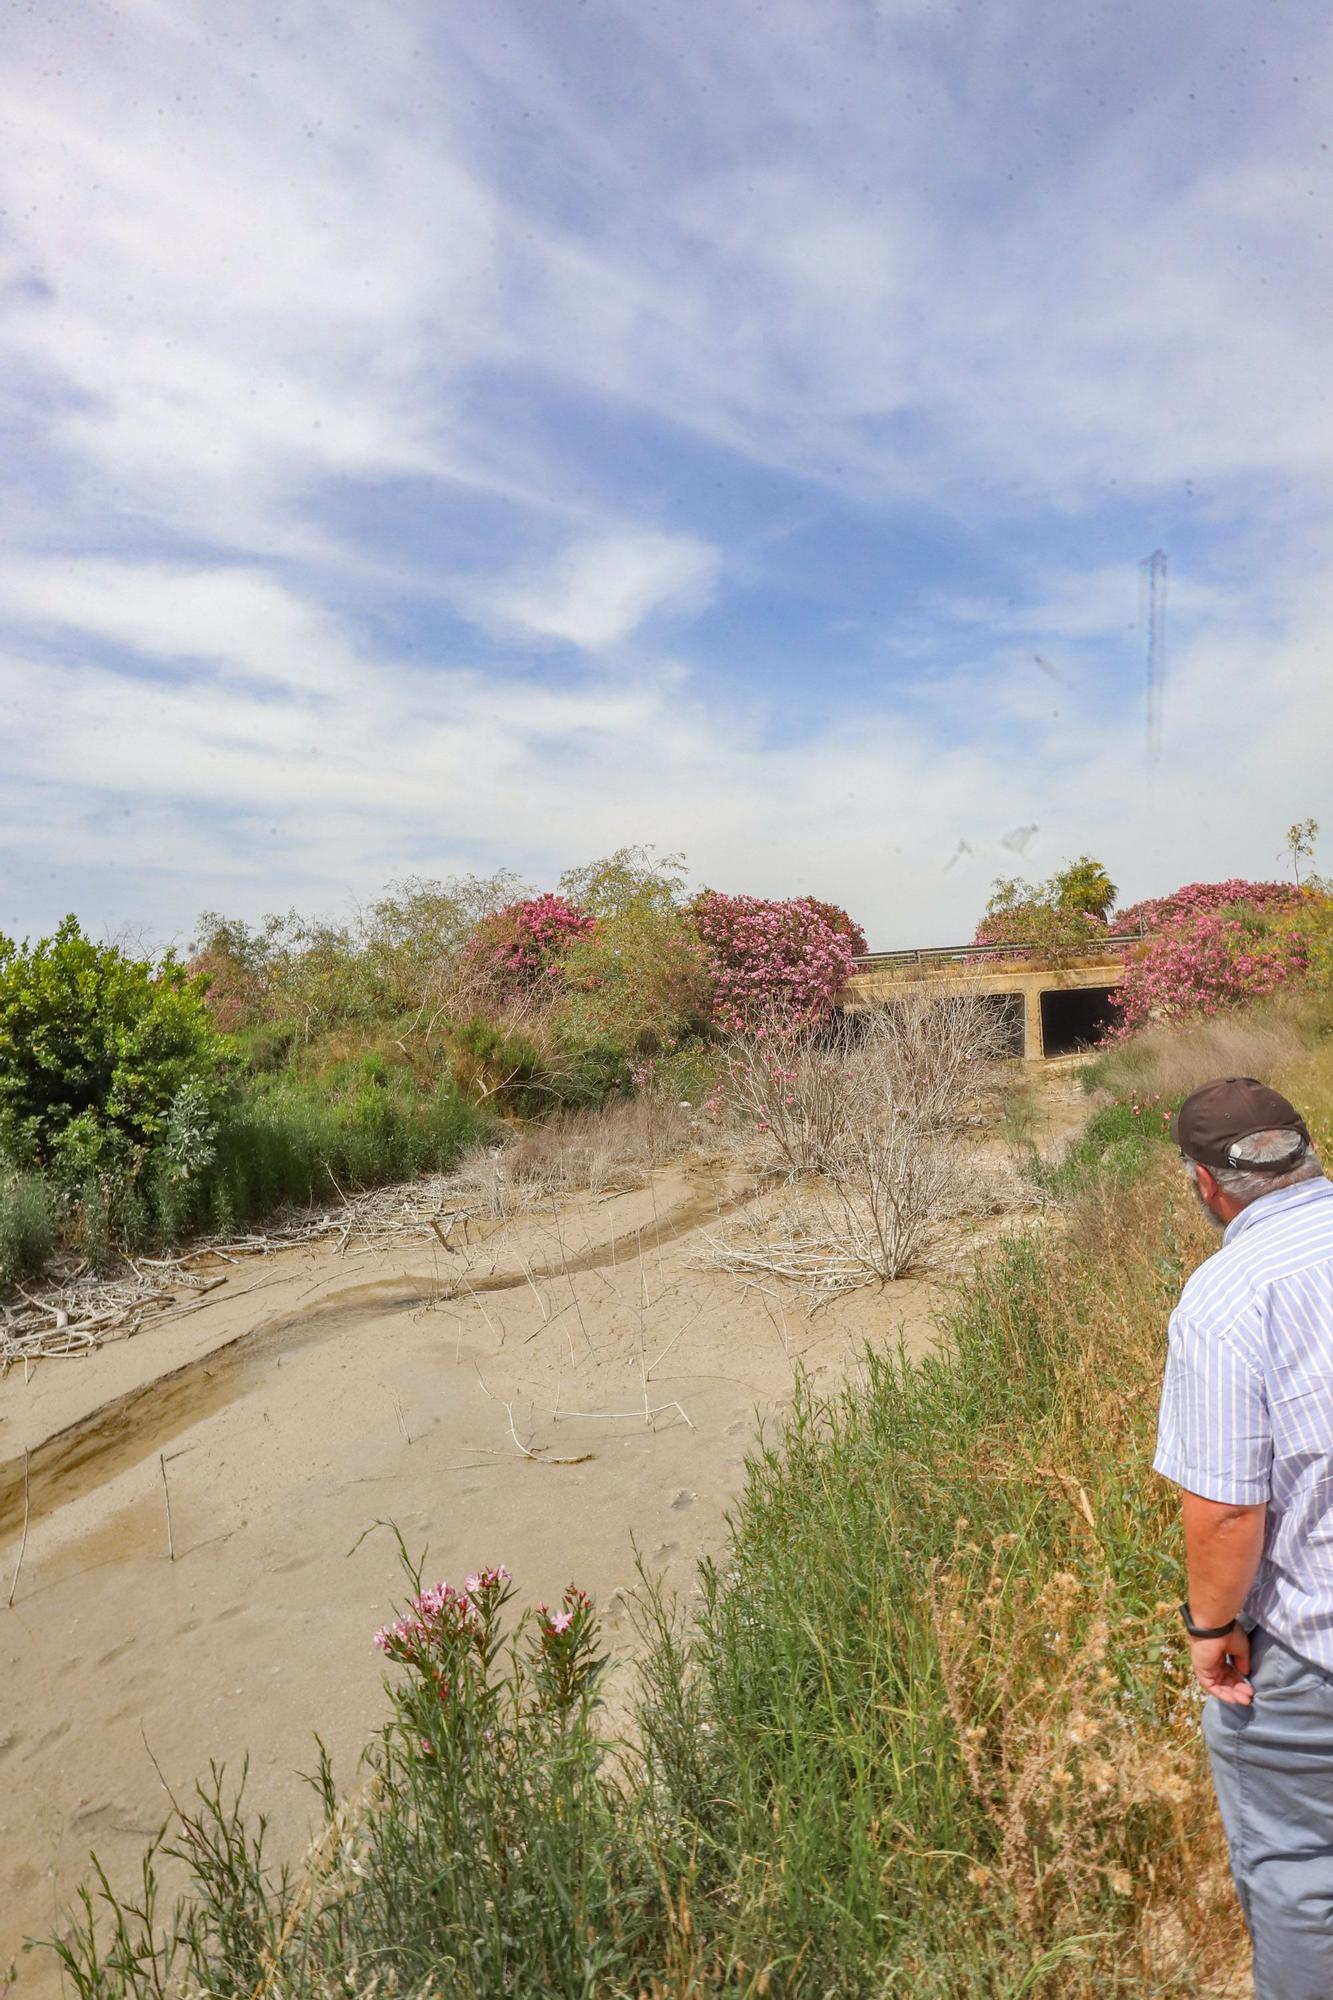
[1075,1017]
[1009,1012]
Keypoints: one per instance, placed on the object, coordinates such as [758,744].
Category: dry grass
[605,1151]
[1262,1041]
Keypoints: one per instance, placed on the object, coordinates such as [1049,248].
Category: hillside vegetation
[294,1061]
[141,1103]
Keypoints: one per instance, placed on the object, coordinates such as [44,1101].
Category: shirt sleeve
[1213,1437]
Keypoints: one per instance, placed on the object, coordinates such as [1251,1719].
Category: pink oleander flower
[560,1621]
[524,945]
[768,959]
[1213,946]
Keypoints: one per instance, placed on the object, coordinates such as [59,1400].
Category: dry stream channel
[488,1400]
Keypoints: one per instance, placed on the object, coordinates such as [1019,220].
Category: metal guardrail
[940,954]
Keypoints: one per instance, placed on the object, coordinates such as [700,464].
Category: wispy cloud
[599,591]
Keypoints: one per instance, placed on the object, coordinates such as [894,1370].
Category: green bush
[27,1225]
[491,1859]
[267,1046]
[1116,1145]
[488,1060]
[94,1049]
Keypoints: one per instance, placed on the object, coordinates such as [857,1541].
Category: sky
[453,436]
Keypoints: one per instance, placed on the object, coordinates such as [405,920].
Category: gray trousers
[1273,1769]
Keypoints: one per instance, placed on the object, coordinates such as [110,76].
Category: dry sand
[312,1396]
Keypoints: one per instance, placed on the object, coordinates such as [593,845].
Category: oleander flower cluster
[1197,899]
[1217,945]
[771,958]
[441,1626]
[526,943]
[453,1641]
[564,1661]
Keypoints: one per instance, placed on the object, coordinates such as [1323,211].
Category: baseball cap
[1214,1121]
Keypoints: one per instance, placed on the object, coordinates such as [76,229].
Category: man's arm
[1223,1545]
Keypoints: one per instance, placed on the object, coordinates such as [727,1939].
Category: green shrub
[27,1224]
[488,1060]
[94,1047]
[267,1046]
[490,1859]
[288,1141]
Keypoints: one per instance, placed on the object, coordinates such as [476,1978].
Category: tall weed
[27,1224]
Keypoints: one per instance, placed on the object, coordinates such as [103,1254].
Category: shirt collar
[1278,1203]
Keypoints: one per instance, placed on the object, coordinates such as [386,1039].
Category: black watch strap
[1204,1631]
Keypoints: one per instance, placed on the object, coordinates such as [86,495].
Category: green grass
[1118,1143]
[290,1140]
[285,1140]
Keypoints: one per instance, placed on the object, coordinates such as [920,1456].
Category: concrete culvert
[1075,1017]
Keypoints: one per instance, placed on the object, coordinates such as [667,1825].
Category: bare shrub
[866,1115]
[894,1183]
[938,1049]
[871,1219]
[794,1088]
[921,1060]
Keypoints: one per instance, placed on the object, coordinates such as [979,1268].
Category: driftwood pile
[73,1312]
[80,1310]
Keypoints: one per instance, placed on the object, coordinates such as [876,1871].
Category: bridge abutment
[1065,1006]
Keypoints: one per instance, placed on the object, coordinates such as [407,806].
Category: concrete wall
[871,984]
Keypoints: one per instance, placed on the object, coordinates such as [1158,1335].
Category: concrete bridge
[1052,1005]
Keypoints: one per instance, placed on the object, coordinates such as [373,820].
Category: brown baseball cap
[1214,1121]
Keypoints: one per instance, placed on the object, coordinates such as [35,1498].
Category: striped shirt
[1247,1403]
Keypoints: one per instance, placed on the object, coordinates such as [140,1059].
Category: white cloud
[215,789]
[600,590]
[237,616]
[263,271]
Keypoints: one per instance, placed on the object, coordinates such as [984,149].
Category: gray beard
[1216,1220]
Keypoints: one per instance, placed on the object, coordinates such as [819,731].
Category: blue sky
[445,436]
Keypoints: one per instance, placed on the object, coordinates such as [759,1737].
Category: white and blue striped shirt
[1247,1403]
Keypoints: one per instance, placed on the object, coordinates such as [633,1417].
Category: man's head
[1239,1140]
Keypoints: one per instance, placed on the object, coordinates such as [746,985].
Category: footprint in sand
[683,1499]
[292,1563]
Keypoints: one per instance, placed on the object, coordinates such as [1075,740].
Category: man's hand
[1223,1546]
[1221,1666]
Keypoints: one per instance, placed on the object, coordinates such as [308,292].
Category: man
[1246,1432]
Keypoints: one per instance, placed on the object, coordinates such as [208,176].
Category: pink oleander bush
[524,945]
[1196,899]
[770,958]
[1217,945]
[839,920]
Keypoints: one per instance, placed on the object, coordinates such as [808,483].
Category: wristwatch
[1204,1631]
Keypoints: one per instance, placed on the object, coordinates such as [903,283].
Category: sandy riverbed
[312,1395]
